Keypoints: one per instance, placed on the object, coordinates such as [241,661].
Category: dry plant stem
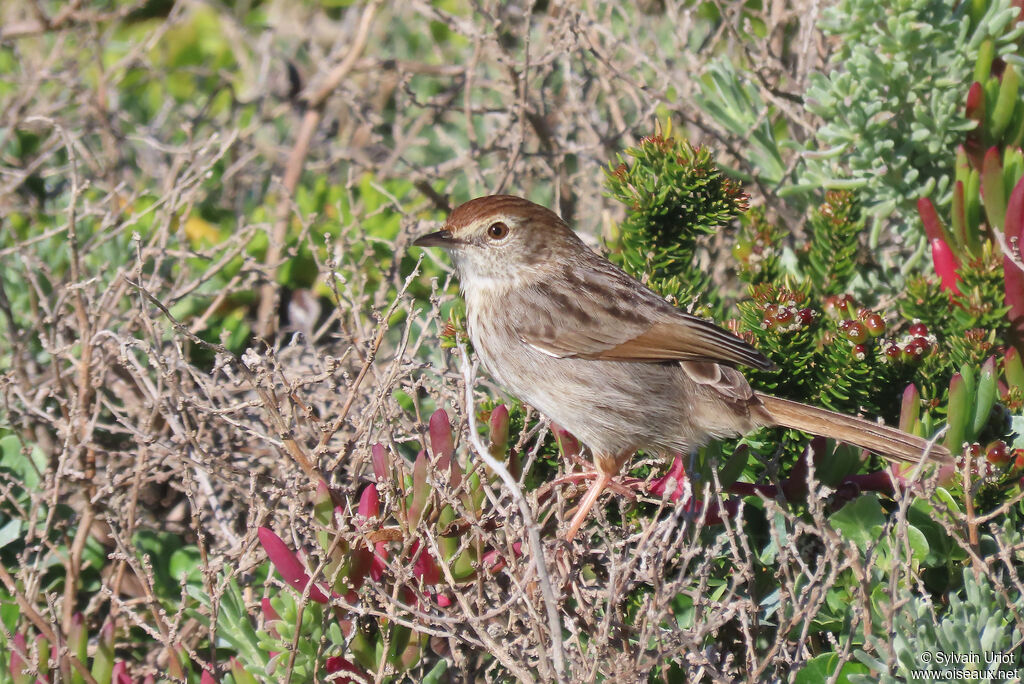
[266,396]
[68,14]
[81,424]
[972,524]
[44,628]
[532,529]
[382,329]
[266,317]
[500,654]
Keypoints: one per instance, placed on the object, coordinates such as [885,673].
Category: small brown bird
[568,332]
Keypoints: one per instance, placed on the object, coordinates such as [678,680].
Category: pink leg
[624,488]
[598,486]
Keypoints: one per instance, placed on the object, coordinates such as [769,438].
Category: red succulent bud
[569,445]
[918,329]
[854,331]
[338,664]
[268,609]
[806,316]
[425,567]
[975,100]
[493,561]
[369,502]
[119,675]
[17,664]
[918,347]
[932,225]
[875,324]
[441,444]
[997,453]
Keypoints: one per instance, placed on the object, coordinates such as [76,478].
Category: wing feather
[611,317]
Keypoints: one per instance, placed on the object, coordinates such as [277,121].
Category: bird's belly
[612,407]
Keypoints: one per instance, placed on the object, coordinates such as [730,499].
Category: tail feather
[881,439]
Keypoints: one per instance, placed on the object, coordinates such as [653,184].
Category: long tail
[881,439]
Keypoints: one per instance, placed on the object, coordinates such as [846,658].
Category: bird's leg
[596,487]
[607,467]
[624,487]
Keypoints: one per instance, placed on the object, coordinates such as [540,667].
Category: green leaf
[821,668]
[860,521]
[436,674]
[28,468]
[10,532]
[185,563]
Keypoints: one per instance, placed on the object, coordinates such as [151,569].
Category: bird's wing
[681,338]
[603,313]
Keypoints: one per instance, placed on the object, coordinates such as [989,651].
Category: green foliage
[831,253]
[674,193]
[757,249]
[733,101]
[892,108]
[848,358]
[928,645]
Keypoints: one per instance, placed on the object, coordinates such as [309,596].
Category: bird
[594,350]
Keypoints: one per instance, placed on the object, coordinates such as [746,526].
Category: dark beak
[442,238]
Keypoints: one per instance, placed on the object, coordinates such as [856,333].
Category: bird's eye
[497,231]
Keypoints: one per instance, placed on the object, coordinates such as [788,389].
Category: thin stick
[532,528]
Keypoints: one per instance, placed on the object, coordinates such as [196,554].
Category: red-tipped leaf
[369,502]
[268,609]
[1012,275]
[420,489]
[120,674]
[379,457]
[336,664]
[499,423]
[910,409]
[425,567]
[946,266]
[441,443]
[933,227]
[288,564]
